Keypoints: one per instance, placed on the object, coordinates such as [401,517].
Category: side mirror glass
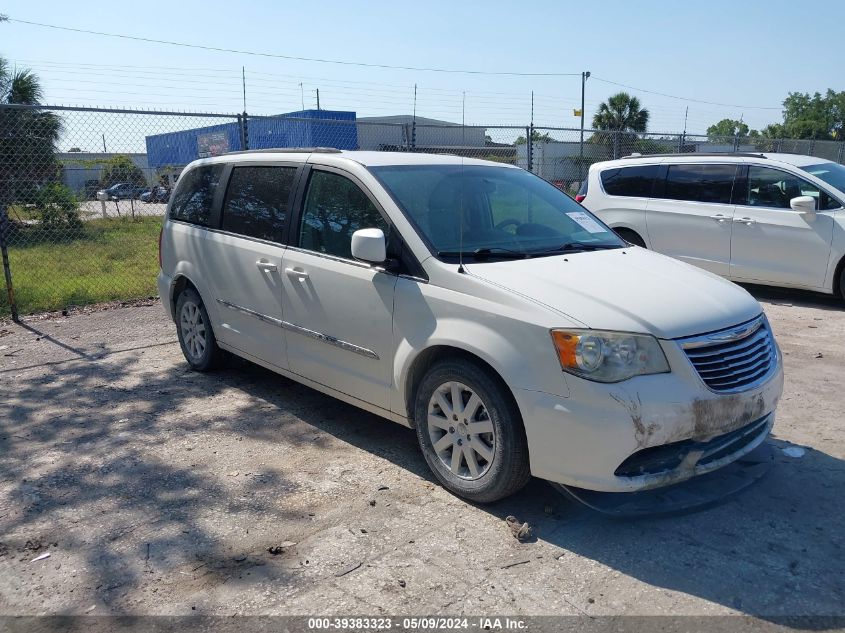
[805,205]
[369,245]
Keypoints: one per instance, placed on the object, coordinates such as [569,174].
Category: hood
[630,290]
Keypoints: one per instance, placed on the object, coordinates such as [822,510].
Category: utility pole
[105,151]
[243,79]
[414,122]
[684,135]
[318,98]
[464,116]
[302,95]
[584,76]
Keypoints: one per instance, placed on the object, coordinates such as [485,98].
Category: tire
[496,464]
[196,338]
[842,283]
[632,237]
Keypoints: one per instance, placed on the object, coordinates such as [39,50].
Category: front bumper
[646,432]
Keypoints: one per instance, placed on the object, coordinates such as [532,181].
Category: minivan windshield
[832,173]
[489,212]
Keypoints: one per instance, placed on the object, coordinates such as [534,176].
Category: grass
[105,260]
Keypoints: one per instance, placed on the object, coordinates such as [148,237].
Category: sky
[747,55]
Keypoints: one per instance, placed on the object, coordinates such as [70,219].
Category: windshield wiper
[484,253]
[573,247]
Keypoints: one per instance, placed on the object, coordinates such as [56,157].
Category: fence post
[839,156]
[681,143]
[529,148]
[736,142]
[7,269]
[812,147]
[243,119]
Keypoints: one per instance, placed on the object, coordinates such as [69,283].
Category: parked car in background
[156,194]
[773,219]
[120,191]
[473,302]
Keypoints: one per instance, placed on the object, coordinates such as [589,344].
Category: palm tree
[28,137]
[622,114]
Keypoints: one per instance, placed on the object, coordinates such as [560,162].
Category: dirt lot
[156,490]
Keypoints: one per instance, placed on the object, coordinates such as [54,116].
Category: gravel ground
[156,490]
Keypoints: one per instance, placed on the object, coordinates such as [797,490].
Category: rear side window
[700,183]
[258,201]
[633,182]
[195,195]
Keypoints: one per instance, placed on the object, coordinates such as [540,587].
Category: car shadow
[773,550]
[790,296]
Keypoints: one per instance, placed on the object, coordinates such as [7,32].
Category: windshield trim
[487,257]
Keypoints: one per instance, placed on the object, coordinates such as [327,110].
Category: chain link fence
[83,190]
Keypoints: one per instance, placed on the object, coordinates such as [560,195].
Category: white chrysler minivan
[476,303]
[772,219]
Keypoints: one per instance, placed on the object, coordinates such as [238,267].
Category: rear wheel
[632,237]
[842,283]
[470,431]
[195,334]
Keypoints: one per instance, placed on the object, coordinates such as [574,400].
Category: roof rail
[706,154]
[287,150]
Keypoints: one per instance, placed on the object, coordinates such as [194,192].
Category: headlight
[608,356]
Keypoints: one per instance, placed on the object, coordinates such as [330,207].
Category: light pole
[584,76]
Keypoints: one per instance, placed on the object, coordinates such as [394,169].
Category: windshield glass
[492,211]
[832,173]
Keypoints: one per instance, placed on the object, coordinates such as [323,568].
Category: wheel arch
[430,355]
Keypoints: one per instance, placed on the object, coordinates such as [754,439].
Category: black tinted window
[195,195]
[629,181]
[335,207]
[258,200]
[775,189]
[700,183]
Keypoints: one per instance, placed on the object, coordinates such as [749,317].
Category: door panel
[339,324]
[771,242]
[338,311]
[246,277]
[690,217]
[245,257]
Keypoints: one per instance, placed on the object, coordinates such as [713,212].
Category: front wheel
[470,431]
[195,334]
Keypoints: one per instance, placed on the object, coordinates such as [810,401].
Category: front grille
[735,359]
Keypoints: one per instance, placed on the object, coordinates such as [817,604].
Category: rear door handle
[746,221]
[719,217]
[267,266]
[296,272]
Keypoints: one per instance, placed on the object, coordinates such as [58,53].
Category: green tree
[120,168]
[817,116]
[28,137]
[621,112]
[620,118]
[536,137]
[725,128]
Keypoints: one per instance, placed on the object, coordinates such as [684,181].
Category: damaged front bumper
[647,432]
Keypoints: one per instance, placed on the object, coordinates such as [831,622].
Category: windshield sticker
[586,222]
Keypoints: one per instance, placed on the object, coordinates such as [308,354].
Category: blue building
[306,128]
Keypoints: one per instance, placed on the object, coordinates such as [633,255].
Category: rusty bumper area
[686,496]
[690,455]
[667,464]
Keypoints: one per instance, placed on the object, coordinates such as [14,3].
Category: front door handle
[746,221]
[296,272]
[267,266]
[719,217]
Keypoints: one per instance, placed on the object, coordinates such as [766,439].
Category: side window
[335,207]
[258,201]
[700,183]
[195,195]
[774,189]
[635,182]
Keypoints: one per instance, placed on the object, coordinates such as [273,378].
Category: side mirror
[369,245]
[806,205]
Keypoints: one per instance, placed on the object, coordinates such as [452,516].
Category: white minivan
[475,303]
[772,219]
